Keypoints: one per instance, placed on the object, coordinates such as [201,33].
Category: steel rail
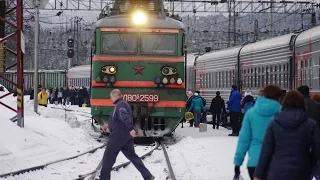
[47,164]
[93,173]
[171,173]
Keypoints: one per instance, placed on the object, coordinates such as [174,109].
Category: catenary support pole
[20,46]
[36,50]
[2,14]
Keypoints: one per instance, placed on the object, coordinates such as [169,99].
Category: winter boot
[150,178]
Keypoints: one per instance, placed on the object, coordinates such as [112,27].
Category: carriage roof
[308,36]
[82,71]
[124,21]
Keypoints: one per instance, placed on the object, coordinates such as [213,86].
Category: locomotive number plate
[141,97]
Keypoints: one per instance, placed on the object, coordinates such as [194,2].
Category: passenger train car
[79,76]
[288,61]
[139,50]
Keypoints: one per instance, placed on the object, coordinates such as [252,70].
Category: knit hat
[247,93]
[304,90]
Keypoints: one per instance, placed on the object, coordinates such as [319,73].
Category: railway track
[34,168]
[93,174]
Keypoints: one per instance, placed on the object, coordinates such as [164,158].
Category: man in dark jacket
[31,94]
[121,136]
[313,106]
[216,107]
[65,96]
[73,96]
[234,108]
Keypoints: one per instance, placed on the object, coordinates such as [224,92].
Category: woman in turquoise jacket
[253,128]
[196,107]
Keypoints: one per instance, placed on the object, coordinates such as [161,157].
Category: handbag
[188,116]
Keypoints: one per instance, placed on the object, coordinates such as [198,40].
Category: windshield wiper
[160,42]
[122,43]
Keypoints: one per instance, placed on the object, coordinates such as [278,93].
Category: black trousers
[191,123]
[216,117]
[113,148]
[251,172]
[235,122]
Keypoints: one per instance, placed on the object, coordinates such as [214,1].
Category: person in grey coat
[121,136]
[312,106]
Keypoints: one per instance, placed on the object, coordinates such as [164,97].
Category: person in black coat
[291,146]
[312,106]
[31,94]
[216,107]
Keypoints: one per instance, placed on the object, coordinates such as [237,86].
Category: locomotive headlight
[167,71]
[139,18]
[109,69]
[112,69]
[179,81]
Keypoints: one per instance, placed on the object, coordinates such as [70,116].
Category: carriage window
[119,43]
[219,80]
[301,65]
[280,79]
[255,77]
[158,44]
[267,76]
[227,74]
[200,77]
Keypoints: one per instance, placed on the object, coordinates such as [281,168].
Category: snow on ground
[55,133]
[46,137]
[70,169]
[196,156]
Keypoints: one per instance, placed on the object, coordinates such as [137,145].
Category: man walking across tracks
[121,138]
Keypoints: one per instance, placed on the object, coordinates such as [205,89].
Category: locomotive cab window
[164,44]
[122,43]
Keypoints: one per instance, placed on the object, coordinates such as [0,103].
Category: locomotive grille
[153,123]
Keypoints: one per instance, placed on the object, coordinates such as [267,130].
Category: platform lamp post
[36,4]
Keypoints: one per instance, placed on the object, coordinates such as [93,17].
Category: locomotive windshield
[119,43]
[158,44]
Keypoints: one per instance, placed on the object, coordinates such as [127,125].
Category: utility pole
[234,24]
[256,29]
[77,21]
[36,5]
[271,19]
[302,21]
[229,24]
[36,50]
[2,14]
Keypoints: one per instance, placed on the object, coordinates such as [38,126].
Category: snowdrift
[46,137]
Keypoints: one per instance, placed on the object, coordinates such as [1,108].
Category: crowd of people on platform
[279,130]
[74,95]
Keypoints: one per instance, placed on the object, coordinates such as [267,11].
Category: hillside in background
[204,31]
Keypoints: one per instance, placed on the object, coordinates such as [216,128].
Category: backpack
[248,105]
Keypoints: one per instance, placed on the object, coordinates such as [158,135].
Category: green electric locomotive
[140,50]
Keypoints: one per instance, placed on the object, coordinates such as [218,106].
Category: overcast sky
[49,16]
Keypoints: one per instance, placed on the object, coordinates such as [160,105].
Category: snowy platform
[56,134]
